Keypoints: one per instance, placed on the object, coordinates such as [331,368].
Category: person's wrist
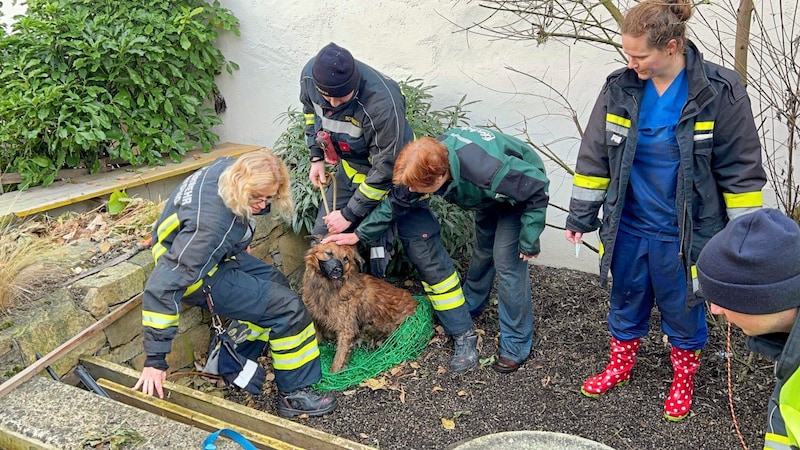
[156,361]
[348,214]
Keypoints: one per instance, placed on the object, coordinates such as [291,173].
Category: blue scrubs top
[650,209]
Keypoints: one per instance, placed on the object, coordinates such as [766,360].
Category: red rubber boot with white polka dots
[618,370]
[684,365]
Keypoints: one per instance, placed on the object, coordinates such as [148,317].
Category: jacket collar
[700,89]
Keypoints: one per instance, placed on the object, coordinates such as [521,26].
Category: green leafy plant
[117,202]
[457,224]
[291,147]
[85,79]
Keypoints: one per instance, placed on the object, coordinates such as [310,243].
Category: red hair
[420,163]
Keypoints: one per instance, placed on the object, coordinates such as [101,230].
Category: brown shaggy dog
[349,305]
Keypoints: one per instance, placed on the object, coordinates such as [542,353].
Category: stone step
[44,413]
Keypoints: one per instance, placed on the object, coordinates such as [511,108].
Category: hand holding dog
[342,239]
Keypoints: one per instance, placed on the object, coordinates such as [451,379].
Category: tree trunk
[743,19]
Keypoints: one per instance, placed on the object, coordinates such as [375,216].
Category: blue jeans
[496,251]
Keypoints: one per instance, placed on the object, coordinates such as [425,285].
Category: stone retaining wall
[66,311]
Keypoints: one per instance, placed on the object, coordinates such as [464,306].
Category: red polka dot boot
[679,401]
[618,370]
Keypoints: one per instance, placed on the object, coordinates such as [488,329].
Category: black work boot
[465,355]
[305,401]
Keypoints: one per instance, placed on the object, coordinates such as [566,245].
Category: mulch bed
[421,405]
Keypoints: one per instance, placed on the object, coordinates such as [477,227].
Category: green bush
[457,224]
[87,79]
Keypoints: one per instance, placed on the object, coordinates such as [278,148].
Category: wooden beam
[230,412]
[188,416]
[71,344]
[12,440]
[40,199]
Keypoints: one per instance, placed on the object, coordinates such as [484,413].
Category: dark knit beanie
[753,265]
[335,71]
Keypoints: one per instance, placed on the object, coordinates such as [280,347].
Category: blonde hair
[420,163]
[249,176]
[660,20]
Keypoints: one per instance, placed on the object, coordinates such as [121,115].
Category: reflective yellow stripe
[352,173]
[158,250]
[290,342]
[618,120]
[588,182]
[159,321]
[443,286]
[743,200]
[309,118]
[774,441]
[790,408]
[191,289]
[600,248]
[446,294]
[448,300]
[290,361]
[257,333]
[704,126]
[371,192]
[695,283]
[166,227]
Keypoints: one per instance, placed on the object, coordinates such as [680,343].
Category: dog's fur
[349,305]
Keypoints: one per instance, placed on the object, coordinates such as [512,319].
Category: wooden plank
[178,413]
[73,342]
[40,199]
[11,440]
[239,415]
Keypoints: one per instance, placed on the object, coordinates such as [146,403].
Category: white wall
[418,39]
[10,10]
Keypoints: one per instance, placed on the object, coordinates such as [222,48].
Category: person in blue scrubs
[670,155]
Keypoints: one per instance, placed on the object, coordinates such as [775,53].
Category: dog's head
[332,260]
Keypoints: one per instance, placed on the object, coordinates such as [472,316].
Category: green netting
[407,342]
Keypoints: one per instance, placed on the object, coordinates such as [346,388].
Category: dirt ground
[421,405]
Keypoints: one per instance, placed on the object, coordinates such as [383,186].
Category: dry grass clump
[32,251]
[27,262]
